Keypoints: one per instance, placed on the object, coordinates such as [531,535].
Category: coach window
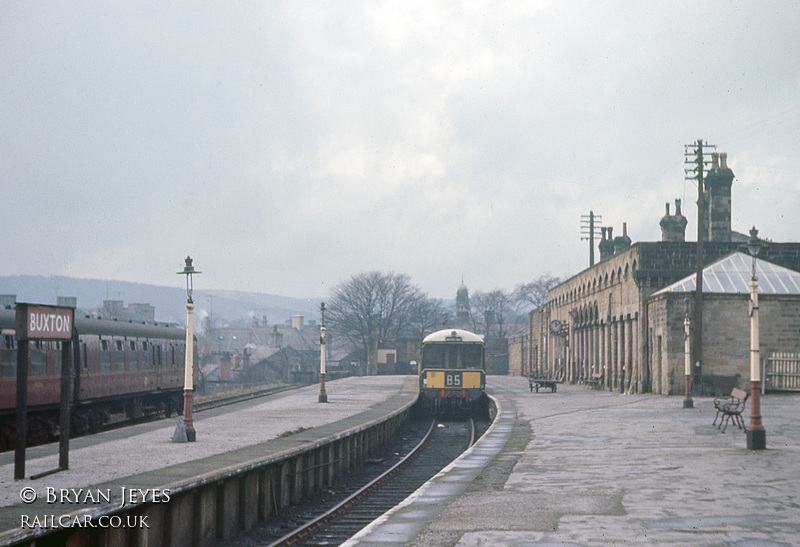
[119,356]
[38,360]
[105,356]
[57,357]
[145,356]
[8,357]
[134,358]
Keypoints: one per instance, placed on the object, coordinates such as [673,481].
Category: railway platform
[586,467]
[124,462]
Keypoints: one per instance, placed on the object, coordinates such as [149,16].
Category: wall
[726,339]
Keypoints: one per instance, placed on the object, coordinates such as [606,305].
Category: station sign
[41,322]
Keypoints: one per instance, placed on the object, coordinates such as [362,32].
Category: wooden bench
[731,408]
[595,381]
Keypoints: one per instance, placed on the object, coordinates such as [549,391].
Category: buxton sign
[37,322]
[41,322]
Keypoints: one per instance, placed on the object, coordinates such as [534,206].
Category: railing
[782,372]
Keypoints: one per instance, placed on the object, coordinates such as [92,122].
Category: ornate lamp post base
[756,439]
[191,434]
[323,396]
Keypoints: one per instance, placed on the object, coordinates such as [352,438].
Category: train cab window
[452,356]
[472,357]
[160,362]
[442,356]
[133,345]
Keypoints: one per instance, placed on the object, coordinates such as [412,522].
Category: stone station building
[613,323]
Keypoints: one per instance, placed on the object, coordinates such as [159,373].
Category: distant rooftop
[731,275]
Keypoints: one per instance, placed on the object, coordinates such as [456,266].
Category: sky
[287,146]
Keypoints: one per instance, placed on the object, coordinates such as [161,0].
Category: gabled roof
[731,275]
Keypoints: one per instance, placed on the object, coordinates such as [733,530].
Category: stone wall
[726,339]
[612,330]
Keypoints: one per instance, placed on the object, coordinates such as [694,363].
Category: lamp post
[687,355]
[756,434]
[323,397]
[188,380]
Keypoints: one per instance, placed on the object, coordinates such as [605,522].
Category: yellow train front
[452,376]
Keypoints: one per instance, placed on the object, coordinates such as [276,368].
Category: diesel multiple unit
[452,374]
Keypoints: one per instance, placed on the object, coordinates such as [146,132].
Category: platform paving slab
[586,467]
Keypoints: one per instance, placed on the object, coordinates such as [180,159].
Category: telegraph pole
[589,230]
[694,155]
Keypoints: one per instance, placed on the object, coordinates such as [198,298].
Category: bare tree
[492,306]
[534,294]
[373,305]
[429,315]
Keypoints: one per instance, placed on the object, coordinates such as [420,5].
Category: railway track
[206,403]
[428,448]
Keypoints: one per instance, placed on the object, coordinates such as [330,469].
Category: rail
[312,526]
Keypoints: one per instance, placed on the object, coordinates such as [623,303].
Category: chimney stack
[718,189]
[606,245]
[673,228]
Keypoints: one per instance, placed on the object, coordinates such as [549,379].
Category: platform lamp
[185,431]
[688,402]
[756,434]
[323,397]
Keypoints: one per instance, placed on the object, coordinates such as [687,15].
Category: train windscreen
[452,356]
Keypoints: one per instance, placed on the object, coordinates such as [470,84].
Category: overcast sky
[289,145]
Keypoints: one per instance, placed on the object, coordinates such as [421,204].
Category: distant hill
[170,302]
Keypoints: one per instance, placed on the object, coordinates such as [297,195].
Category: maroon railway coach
[119,367]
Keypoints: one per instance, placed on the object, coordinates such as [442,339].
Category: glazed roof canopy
[731,275]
